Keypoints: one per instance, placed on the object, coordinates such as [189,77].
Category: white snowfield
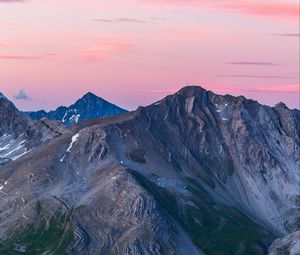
[74,139]
[68,150]
[12,148]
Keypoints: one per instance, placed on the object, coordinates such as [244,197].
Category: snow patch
[75,118]
[64,117]
[74,139]
[22,154]
[62,159]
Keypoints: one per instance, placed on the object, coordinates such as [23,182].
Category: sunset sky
[134,52]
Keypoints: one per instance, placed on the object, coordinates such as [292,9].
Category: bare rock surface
[195,173]
[19,134]
[289,244]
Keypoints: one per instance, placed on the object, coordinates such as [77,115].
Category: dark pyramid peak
[89,95]
[89,106]
[90,99]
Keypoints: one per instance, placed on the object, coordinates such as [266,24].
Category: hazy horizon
[132,109]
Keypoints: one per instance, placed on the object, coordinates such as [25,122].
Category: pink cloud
[99,52]
[109,47]
[275,9]
[27,57]
[158,91]
[90,58]
[252,63]
[10,1]
[121,20]
[285,88]
[262,8]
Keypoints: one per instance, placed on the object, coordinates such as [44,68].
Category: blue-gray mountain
[194,173]
[89,106]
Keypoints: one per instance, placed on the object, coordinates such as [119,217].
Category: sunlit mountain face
[136,127]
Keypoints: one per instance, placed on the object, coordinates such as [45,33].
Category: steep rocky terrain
[195,173]
[289,244]
[19,134]
[88,107]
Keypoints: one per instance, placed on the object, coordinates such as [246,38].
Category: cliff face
[19,134]
[195,173]
[289,244]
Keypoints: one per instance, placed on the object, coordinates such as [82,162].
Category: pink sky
[134,52]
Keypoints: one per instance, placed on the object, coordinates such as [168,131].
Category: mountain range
[89,106]
[194,173]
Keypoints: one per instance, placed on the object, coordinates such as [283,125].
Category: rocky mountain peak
[7,108]
[89,95]
[88,106]
[190,90]
[281,105]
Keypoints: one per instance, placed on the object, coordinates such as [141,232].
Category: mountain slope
[19,134]
[195,173]
[88,107]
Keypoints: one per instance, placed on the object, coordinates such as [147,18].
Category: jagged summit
[90,95]
[89,106]
[192,88]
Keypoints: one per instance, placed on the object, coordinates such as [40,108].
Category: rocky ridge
[194,173]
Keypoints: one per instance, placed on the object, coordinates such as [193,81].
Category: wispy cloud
[21,95]
[92,58]
[253,76]
[288,34]
[11,1]
[27,57]
[265,8]
[121,20]
[158,91]
[99,52]
[271,9]
[109,47]
[286,88]
[252,63]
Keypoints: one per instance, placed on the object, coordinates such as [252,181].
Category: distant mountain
[194,173]
[89,106]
